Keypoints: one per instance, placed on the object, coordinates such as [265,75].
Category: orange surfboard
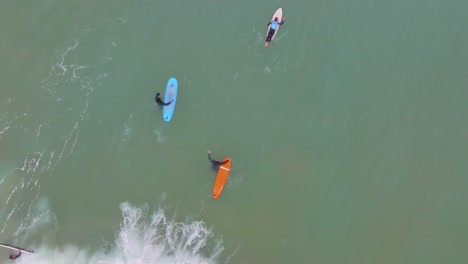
[221,178]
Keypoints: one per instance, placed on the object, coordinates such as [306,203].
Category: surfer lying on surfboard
[274,25]
[215,162]
[159,101]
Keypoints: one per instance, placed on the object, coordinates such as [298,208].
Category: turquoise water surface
[348,134]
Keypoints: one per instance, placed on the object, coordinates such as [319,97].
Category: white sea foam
[143,238]
[71,80]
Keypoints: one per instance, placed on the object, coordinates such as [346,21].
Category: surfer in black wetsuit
[215,162]
[159,101]
[274,25]
[15,255]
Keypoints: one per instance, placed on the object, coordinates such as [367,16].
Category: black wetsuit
[215,162]
[13,256]
[160,102]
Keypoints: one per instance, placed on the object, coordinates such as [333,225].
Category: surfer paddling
[274,25]
[160,102]
[215,162]
[15,255]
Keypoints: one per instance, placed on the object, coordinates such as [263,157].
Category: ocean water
[348,134]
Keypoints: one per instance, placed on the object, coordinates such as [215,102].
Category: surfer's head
[276,19]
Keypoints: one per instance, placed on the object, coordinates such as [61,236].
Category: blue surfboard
[170,94]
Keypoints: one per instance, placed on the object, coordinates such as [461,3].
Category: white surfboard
[279,14]
[16,248]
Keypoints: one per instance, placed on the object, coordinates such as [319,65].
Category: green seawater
[348,134]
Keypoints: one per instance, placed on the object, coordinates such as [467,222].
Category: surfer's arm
[159,102]
[168,103]
[282,21]
[214,162]
[269,23]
